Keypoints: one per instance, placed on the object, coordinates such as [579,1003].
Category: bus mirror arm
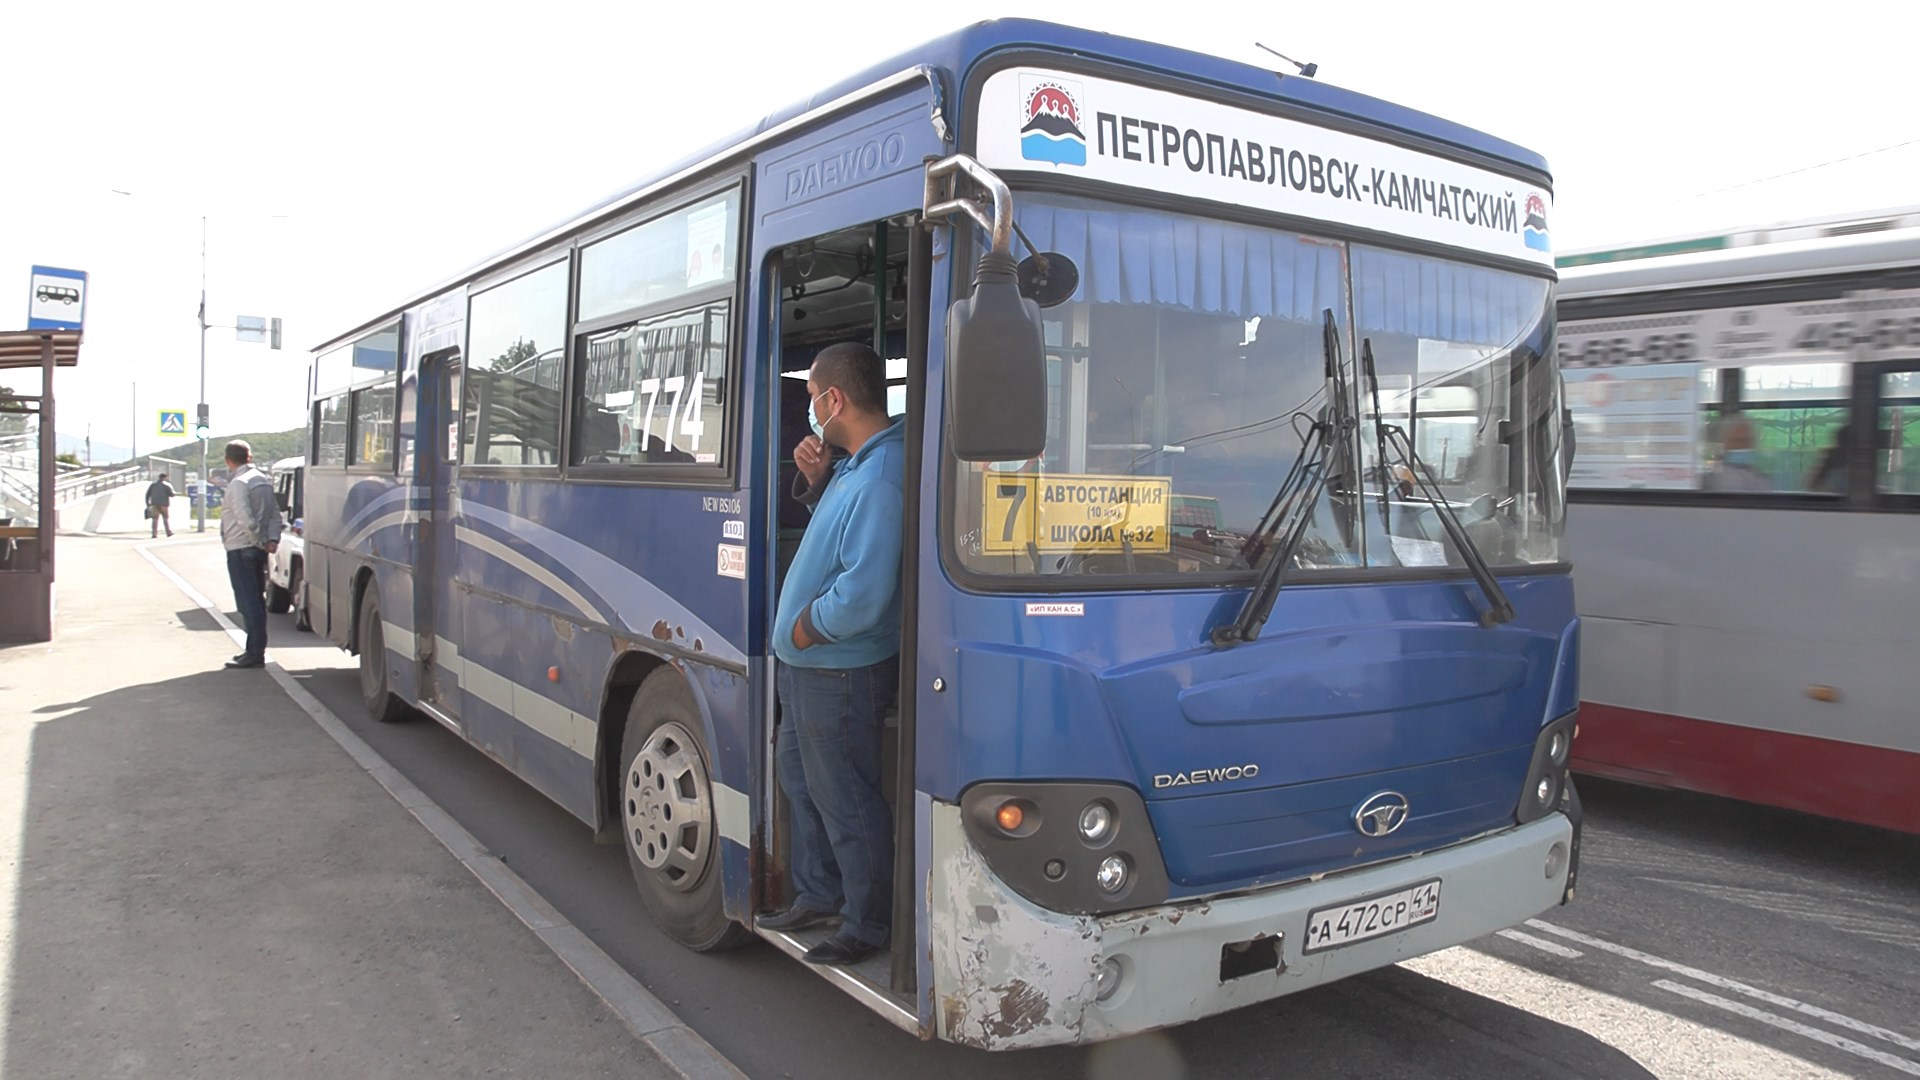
[996,353]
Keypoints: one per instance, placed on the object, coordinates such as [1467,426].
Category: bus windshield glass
[1185,374]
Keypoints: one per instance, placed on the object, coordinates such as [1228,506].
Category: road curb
[678,1046]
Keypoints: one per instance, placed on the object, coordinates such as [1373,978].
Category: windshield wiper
[1499,608]
[1308,476]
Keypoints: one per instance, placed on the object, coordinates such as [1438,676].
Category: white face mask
[820,426]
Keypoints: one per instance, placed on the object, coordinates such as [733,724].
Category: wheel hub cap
[667,809]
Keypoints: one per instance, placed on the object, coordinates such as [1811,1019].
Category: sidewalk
[195,880]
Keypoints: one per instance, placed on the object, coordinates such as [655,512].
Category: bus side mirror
[996,369]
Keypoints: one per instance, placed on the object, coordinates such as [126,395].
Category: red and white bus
[1747,555]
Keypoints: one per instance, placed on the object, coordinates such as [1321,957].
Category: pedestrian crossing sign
[173,421]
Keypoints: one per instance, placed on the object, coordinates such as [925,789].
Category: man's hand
[800,639]
[273,546]
[814,460]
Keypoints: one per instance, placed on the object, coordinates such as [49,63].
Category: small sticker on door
[733,561]
[1056,609]
[733,530]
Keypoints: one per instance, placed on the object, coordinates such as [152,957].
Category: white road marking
[1724,983]
[1666,1045]
[1542,944]
[1911,1068]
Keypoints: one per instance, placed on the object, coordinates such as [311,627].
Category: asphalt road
[1709,939]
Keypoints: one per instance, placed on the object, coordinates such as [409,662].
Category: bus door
[438,616]
[835,217]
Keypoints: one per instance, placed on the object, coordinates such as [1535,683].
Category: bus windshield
[1185,373]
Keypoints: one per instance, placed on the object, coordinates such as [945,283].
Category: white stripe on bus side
[530,568]
[398,517]
[732,811]
[400,640]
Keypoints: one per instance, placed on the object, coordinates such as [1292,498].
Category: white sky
[349,153]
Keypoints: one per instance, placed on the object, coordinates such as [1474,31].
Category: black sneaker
[838,951]
[795,919]
[241,662]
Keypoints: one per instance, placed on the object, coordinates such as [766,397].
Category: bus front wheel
[668,819]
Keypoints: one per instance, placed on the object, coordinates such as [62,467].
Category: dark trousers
[827,757]
[159,516]
[247,569]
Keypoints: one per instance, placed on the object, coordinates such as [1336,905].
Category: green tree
[68,458]
[520,351]
[11,423]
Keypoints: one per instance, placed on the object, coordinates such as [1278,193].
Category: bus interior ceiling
[832,290]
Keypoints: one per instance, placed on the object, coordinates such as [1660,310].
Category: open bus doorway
[847,286]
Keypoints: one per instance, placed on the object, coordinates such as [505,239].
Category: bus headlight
[1075,848]
[1547,775]
[1096,821]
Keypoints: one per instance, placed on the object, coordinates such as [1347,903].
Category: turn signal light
[1010,817]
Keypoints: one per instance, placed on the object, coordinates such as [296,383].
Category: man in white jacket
[250,529]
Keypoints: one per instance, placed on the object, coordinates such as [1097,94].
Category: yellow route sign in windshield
[1064,513]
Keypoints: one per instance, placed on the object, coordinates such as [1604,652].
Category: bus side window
[1789,429]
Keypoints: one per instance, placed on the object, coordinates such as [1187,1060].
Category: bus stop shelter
[26,548]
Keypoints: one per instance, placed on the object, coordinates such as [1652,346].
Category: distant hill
[268,447]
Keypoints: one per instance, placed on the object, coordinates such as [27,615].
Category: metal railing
[73,487]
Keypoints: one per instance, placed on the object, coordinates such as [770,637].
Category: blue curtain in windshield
[1217,267]
[1422,297]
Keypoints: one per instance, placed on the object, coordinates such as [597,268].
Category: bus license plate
[1372,916]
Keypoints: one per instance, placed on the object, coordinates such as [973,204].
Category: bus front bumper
[1009,974]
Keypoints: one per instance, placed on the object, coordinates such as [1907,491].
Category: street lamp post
[268,331]
[200,416]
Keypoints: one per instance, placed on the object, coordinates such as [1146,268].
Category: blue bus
[1141,770]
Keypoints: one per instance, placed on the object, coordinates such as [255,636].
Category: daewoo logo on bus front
[1206,776]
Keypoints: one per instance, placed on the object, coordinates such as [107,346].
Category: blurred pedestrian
[159,505]
[1830,475]
[1735,471]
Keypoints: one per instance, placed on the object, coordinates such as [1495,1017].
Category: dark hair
[238,452]
[856,371]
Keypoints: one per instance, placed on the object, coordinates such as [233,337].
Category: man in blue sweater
[836,632]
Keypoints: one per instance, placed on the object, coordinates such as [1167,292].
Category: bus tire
[279,600]
[667,817]
[375,692]
[297,585]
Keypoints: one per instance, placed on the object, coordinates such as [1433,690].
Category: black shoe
[247,662]
[795,919]
[837,951]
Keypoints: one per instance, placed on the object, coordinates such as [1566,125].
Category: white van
[286,575]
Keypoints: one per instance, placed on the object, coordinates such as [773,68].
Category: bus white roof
[1852,252]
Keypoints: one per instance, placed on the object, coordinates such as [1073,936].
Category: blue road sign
[173,421]
[57,299]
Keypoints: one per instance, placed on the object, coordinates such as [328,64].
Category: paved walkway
[196,880]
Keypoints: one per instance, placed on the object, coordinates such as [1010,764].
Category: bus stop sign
[57,299]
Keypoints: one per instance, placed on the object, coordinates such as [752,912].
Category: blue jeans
[247,569]
[827,756]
